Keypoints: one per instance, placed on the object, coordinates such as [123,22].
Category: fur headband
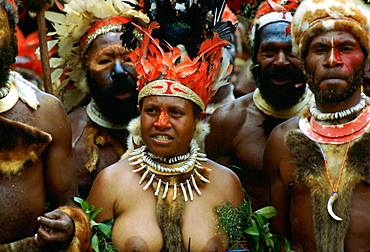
[317,16]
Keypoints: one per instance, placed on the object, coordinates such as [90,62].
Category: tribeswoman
[163,196]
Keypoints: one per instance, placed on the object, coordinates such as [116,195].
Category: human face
[167,124]
[334,63]
[279,70]
[112,78]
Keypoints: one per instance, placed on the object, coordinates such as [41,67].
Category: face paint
[335,65]
[163,119]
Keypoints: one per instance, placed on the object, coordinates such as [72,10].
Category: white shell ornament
[329,206]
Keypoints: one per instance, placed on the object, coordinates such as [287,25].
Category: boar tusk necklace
[170,166]
[334,195]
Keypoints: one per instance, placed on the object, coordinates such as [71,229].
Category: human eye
[346,49]
[150,111]
[176,113]
[103,61]
[268,52]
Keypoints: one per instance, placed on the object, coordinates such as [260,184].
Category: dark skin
[338,53]
[107,64]
[50,179]
[243,143]
[168,124]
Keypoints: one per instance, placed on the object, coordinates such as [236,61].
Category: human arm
[102,193]
[59,228]
[278,165]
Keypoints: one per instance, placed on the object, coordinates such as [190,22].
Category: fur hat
[317,16]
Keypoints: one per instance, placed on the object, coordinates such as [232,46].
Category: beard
[116,110]
[8,53]
[280,97]
[334,95]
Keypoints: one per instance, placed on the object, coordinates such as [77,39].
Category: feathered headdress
[174,73]
[76,28]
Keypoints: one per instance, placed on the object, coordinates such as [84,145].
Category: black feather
[187,22]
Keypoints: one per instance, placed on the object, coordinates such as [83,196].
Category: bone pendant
[331,201]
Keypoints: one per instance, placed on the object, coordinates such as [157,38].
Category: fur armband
[81,240]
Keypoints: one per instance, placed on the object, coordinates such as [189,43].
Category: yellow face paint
[331,59]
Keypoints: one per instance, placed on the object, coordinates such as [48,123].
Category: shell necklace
[334,194]
[317,114]
[170,166]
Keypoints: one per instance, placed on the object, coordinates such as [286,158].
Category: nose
[334,59]
[281,59]
[118,69]
[163,120]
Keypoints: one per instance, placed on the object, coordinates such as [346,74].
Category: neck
[347,105]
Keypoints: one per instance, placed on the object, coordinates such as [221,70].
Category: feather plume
[198,74]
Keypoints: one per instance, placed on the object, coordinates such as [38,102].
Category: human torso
[22,195]
[110,152]
[136,227]
[310,192]
[243,143]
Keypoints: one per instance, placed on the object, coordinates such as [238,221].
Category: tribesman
[319,163]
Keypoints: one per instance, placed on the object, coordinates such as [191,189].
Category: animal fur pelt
[37,5]
[310,171]
[20,145]
[170,212]
[96,139]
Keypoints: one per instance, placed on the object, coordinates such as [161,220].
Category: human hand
[55,232]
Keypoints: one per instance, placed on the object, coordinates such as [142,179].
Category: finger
[37,241]
[55,214]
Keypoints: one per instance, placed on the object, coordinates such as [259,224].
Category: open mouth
[281,79]
[162,138]
[123,95]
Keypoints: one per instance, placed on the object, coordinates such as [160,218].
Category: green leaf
[252,231]
[95,243]
[267,212]
[78,200]
[105,229]
[96,213]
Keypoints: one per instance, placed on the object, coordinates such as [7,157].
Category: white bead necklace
[318,115]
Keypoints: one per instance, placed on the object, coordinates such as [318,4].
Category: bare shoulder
[232,112]
[226,182]
[279,132]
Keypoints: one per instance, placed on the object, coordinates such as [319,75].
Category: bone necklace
[334,194]
[187,163]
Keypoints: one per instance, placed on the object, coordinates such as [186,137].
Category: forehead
[336,37]
[278,32]
[106,40]
[166,101]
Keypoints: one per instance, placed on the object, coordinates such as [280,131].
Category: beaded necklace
[334,194]
[339,114]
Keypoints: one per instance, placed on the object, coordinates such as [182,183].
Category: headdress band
[111,24]
[328,19]
[170,88]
